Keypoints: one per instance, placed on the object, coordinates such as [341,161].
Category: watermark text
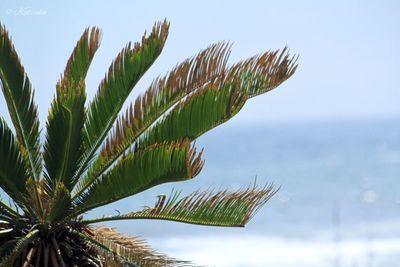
[25,11]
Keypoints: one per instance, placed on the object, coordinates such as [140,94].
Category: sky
[348,64]
[348,56]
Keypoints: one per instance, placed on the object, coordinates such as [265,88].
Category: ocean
[338,205]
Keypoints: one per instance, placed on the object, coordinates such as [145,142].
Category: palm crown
[93,156]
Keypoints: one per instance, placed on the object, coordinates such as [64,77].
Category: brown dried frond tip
[90,42]
[159,33]
[133,249]
[266,71]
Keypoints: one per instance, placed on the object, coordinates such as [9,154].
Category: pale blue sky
[349,52]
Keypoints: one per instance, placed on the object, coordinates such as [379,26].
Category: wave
[261,251]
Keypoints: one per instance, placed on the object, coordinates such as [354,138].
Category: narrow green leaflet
[18,94]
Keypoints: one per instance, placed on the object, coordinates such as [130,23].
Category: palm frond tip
[264,72]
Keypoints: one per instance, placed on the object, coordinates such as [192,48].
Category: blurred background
[330,136]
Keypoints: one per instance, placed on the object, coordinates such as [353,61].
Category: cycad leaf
[13,173]
[197,114]
[133,250]
[163,93]
[18,94]
[123,74]
[157,164]
[63,148]
[228,209]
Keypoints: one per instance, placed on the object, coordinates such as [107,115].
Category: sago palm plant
[93,156]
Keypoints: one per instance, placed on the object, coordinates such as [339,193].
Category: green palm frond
[123,74]
[63,148]
[165,92]
[223,208]
[18,94]
[12,249]
[13,173]
[197,114]
[141,170]
[137,252]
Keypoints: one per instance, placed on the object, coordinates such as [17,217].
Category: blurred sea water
[338,206]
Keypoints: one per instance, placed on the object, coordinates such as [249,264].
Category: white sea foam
[262,251]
